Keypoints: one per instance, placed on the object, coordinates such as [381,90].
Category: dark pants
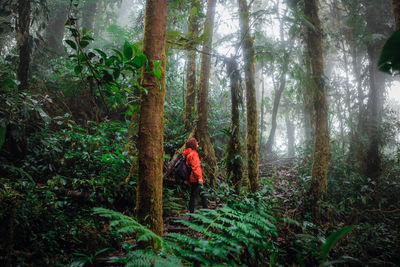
[196,190]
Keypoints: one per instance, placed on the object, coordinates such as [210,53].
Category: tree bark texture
[251,103]
[201,133]
[321,135]
[56,27]
[88,14]
[396,11]
[151,125]
[234,164]
[24,11]
[191,68]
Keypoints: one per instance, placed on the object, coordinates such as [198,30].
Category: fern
[125,224]
[237,233]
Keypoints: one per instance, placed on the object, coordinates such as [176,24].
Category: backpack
[181,170]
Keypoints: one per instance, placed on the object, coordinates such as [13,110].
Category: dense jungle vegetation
[295,105]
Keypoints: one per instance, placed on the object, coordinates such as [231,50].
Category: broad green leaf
[139,60]
[128,52]
[83,43]
[78,69]
[332,240]
[71,44]
[389,60]
[193,11]
[157,73]
[156,63]
[43,114]
[119,53]
[102,54]
[8,83]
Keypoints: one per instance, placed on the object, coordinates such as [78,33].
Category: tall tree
[191,65]
[201,131]
[321,135]
[88,14]
[151,122]
[396,12]
[56,26]
[376,22]
[234,164]
[22,37]
[251,103]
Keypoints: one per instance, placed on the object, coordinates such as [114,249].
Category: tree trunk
[151,126]
[375,95]
[234,164]
[55,29]
[277,99]
[251,102]
[321,135]
[191,67]
[201,132]
[88,14]
[396,11]
[262,112]
[290,135]
[24,12]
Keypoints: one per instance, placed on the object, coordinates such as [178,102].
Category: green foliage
[331,241]
[235,234]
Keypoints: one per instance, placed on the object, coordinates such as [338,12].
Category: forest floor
[281,175]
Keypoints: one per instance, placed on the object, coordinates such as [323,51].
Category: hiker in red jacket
[196,177]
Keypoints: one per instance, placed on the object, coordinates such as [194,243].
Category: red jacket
[193,161]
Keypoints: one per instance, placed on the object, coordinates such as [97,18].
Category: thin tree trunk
[277,99]
[22,37]
[396,12]
[251,102]
[321,135]
[55,29]
[262,112]
[88,14]
[234,164]
[201,132]
[191,67]
[375,95]
[151,127]
[290,135]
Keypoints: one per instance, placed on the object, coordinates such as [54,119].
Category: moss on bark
[321,152]
[234,164]
[191,68]
[151,125]
[251,103]
[207,151]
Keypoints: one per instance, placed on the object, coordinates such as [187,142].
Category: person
[196,177]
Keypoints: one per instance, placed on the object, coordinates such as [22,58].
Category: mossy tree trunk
[55,29]
[321,134]
[191,66]
[396,12]
[251,103]
[234,164]
[22,37]
[151,122]
[207,151]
